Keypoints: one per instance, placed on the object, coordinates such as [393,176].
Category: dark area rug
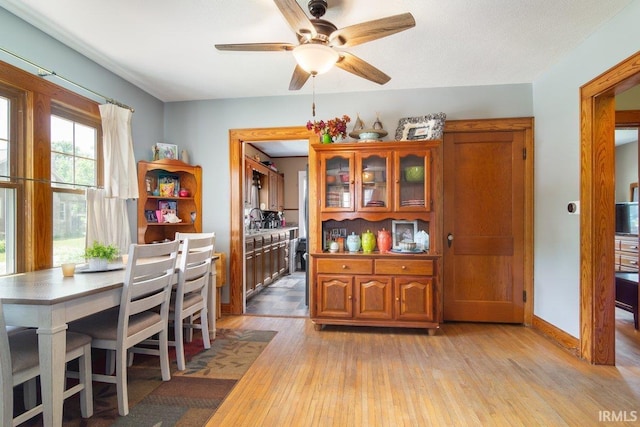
[189,399]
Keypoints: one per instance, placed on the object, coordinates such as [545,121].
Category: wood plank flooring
[466,375]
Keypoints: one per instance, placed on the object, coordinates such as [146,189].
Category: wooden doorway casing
[597,196]
[238,137]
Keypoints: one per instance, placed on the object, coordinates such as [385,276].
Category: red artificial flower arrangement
[334,127]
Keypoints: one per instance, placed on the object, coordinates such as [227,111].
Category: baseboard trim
[560,337]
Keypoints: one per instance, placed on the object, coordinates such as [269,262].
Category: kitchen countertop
[267,231]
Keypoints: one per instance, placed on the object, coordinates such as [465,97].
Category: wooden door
[484,226]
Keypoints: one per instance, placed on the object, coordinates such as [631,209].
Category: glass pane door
[337,183]
[374,191]
[413,182]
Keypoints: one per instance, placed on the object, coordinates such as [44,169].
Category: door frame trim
[237,138]
[597,195]
[513,124]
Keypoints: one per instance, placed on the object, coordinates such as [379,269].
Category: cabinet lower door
[414,298]
[335,296]
[373,298]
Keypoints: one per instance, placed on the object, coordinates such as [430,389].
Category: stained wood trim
[597,194]
[237,137]
[512,124]
[567,341]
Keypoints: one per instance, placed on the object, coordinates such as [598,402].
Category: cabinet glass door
[374,194]
[413,182]
[337,182]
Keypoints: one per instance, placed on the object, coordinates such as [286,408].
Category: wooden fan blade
[299,78]
[357,66]
[371,30]
[256,47]
[297,19]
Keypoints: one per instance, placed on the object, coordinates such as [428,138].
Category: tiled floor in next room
[284,297]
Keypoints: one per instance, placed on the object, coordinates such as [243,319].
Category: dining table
[48,301]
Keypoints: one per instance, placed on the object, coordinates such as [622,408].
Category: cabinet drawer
[629,261]
[416,267]
[629,245]
[345,265]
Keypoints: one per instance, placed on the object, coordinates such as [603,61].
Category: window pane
[7,231]
[61,168]
[69,227]
[85,140]
[4,138]
[61,135]
[85,171]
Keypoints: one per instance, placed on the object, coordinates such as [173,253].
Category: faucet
[256,222]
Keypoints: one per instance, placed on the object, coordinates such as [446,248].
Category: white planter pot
[98,264]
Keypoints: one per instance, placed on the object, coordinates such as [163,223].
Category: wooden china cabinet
[160,183]
[368,186]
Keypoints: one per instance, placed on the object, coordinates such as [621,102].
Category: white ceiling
[166,47]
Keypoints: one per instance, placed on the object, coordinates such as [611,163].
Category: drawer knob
[633,262]
[397,298]
[404,267]
[633,247]
[344,267]
[349,297]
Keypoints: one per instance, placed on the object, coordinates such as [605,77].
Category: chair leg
[204,327]
[110,364]
[121,382]
[189,334]
[178,330]
[86,394]
[164,353]
[30,394]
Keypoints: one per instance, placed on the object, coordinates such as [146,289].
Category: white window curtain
[120,178]
[107,218]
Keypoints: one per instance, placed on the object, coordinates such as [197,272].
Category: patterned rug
[189,399]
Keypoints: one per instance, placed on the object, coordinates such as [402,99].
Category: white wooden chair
[143,313]
[19,365]
[191,294]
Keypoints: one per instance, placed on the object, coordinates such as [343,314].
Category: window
[8,224]
[74,166]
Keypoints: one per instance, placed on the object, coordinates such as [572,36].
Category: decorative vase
[184,156]
[422,240]
[326,138]
[384,240]
[368,242]
[353,242]
[334,247]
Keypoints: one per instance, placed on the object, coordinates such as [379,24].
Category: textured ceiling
[166,47]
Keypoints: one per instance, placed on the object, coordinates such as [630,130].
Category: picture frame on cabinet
[150,216]
[168,185]
[167,151]
[430,126]
[167,204]
[403,231]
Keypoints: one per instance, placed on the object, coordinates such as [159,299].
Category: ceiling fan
[319,39]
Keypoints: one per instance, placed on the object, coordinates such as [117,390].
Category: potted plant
[330,130]
[99,255]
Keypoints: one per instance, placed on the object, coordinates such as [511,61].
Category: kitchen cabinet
[160,183]
[361,186]
[266,257]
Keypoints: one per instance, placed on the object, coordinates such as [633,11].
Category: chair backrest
[148,281]
[6,379]
[195,264]
[181,236]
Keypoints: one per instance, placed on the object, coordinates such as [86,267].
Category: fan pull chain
[313,102]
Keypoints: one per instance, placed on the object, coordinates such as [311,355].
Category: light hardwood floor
[466,375]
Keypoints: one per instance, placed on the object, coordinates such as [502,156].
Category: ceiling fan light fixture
[315,58]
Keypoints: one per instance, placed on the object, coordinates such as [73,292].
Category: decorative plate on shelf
[414,251]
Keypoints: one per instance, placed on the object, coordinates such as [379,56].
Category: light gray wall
[626,170]
[23,39]
[203,126]
[556,96]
